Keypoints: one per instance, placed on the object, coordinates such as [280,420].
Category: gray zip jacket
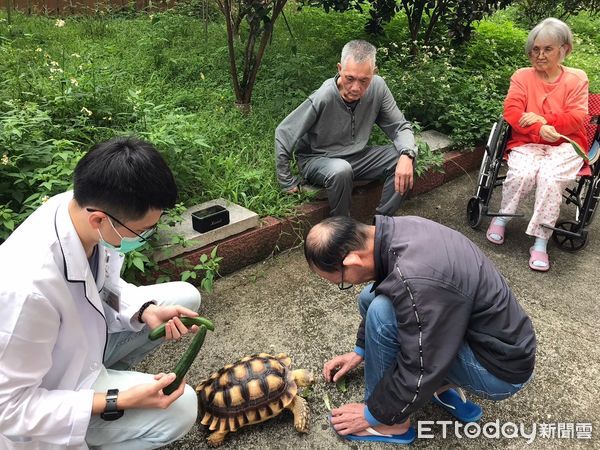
[323,125]
[445,291]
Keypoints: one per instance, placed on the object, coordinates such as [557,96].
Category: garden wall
[275,235]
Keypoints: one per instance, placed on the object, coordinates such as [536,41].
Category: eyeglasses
[343,285]
[535,51]
[144,235]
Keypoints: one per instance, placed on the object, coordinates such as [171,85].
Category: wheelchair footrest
[563,232]
[503,215]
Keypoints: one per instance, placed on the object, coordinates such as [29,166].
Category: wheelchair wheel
[474,215]
[570,243]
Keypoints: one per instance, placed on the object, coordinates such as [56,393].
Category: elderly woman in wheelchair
[545,103]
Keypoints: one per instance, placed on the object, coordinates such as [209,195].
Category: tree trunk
[9,11]
[244,108]
[251,60]
[231,49]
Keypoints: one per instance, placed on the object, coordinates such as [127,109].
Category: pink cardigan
[564,105]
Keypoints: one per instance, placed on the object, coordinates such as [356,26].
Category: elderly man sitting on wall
[330,131]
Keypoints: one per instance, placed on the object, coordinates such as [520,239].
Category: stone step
[240,220]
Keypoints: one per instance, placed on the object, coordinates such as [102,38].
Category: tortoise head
[303,377]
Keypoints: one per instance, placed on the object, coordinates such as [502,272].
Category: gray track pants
[336,175]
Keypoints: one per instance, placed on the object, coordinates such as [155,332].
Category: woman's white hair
[360,51]
[555,30]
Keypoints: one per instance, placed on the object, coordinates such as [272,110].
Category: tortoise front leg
[299,407]
[216,438]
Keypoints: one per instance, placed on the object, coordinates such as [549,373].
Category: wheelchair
[569,234]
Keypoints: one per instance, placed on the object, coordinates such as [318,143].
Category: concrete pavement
[280,306]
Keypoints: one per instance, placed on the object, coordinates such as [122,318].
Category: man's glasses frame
[145,235]
[343,285]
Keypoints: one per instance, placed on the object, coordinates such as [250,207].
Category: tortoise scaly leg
[299,407]
[216,438]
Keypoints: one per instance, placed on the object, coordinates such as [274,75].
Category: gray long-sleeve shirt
[324,125]
[444,291]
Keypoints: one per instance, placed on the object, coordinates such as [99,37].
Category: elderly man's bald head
[330,241]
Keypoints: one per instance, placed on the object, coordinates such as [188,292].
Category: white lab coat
[53,330]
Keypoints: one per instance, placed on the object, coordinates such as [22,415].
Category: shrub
[531,12]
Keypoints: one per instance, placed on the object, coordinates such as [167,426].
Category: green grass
[161,77]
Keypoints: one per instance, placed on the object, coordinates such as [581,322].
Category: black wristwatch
[409,152]
[110,411]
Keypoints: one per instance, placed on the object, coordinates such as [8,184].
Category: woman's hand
[529,118]
[549,133]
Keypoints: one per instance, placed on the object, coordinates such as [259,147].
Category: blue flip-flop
[456,404]
[406,438]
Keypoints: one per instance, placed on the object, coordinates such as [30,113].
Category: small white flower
[74,81]
[75,55]
[54,63]
[5,160]
[59,23]
[45,198]
[56,69]
[86,111]
[39,50]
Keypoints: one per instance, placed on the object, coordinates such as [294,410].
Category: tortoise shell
[253,389]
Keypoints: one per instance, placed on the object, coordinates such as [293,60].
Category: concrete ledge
[275,235]
[240,220]
[437,142]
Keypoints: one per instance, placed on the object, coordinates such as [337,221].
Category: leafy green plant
[7,222]
[65,88]
[531,12]
[208,266]
[423,16]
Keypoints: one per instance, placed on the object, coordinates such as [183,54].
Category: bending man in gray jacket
[438,315]
[330,131]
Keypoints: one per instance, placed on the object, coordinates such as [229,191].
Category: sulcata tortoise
[252,390]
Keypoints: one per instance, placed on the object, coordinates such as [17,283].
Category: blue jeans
[382,346]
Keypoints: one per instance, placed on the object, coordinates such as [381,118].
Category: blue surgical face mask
[128,244]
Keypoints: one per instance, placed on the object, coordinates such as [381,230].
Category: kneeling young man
[438,317]
[71,327]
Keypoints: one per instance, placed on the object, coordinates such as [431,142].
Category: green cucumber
[159,332]
[186,360]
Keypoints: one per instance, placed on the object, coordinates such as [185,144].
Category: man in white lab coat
[71,327]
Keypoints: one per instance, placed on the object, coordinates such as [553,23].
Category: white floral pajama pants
[549,167]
